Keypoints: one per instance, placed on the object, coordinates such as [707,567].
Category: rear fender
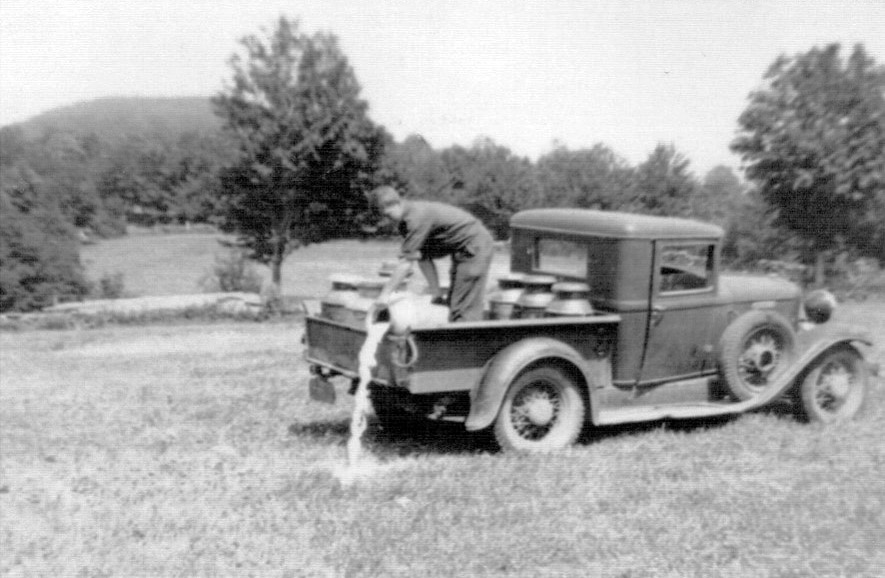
[486,397]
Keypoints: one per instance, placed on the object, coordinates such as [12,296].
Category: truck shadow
[442,438]
[417,438]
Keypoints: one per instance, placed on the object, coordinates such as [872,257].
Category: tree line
[297,153]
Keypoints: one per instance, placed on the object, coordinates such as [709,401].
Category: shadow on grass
[446,438]
[416,438]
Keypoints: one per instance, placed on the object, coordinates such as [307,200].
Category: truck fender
[816,343]
[822,339]
[486,397]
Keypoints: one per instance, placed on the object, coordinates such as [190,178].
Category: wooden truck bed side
[450,357]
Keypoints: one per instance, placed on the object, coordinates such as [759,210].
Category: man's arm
[428,268]
[403,266]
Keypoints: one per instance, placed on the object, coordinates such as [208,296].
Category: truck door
[682,321]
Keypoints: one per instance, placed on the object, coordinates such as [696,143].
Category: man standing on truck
[432,230]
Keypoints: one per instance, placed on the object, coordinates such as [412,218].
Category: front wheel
[835,388]
[542,411]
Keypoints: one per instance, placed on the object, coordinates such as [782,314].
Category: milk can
[570,299]
[336,304]
[368,291]
[536,296]
[502,302]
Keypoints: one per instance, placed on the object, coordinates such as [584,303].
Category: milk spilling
[374,334]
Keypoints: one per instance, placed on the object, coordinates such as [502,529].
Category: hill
[113,118]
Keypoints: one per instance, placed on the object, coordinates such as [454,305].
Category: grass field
[174,264]
[193,450]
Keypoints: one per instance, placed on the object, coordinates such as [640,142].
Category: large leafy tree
[307,151]
[812,138]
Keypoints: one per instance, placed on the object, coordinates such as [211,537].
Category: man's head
[389,202]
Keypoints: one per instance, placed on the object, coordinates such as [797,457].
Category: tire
[542,411]
[755,350]
[835,388]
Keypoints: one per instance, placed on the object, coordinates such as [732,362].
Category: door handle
[657,314]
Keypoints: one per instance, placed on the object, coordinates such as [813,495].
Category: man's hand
[382,301]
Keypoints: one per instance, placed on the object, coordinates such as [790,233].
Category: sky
[629,74]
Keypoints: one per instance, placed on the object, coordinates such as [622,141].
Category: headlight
[819,305]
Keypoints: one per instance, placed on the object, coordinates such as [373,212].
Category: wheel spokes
[535,410]
[834,386]
[761,356]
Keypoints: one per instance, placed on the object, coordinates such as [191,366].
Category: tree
[152,179]
[306,149]
[420,168]
[813,139]
[491,182]
[719,196]
[39,259]
[595,178]
[663,184]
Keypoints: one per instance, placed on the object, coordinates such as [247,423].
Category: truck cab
[660,275]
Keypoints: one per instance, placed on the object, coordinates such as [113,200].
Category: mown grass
[194,451]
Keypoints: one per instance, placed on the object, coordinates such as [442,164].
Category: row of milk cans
[521,296]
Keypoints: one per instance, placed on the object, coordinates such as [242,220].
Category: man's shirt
[432,230]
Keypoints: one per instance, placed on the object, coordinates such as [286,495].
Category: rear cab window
[561,257]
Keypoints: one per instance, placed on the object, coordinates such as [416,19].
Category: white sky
[626,73]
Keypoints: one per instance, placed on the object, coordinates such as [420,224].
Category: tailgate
[337,346]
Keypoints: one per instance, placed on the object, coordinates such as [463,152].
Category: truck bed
[450,357]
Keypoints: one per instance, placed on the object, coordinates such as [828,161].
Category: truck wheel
[754,351]
[835,388]
[542,411]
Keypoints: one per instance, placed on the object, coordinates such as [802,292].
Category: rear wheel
[835,388]
[756,349]
[542,411]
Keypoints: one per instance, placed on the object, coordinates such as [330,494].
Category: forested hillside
[115,119]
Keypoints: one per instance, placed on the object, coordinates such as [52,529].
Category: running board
[620,415]
[612,416]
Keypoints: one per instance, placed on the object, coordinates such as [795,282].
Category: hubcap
[540,411]
[535,409]
[760,358]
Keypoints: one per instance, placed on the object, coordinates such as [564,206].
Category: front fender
[813,344]
[821,338]
[486,397]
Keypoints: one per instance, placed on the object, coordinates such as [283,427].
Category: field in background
[174,264]
[193,450]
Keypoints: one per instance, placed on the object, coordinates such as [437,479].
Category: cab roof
[588,222]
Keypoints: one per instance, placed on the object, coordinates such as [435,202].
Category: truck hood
[744,288]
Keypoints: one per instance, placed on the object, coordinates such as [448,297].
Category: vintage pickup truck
[670,336]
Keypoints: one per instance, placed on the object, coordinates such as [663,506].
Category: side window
[561,257]
[686,268]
